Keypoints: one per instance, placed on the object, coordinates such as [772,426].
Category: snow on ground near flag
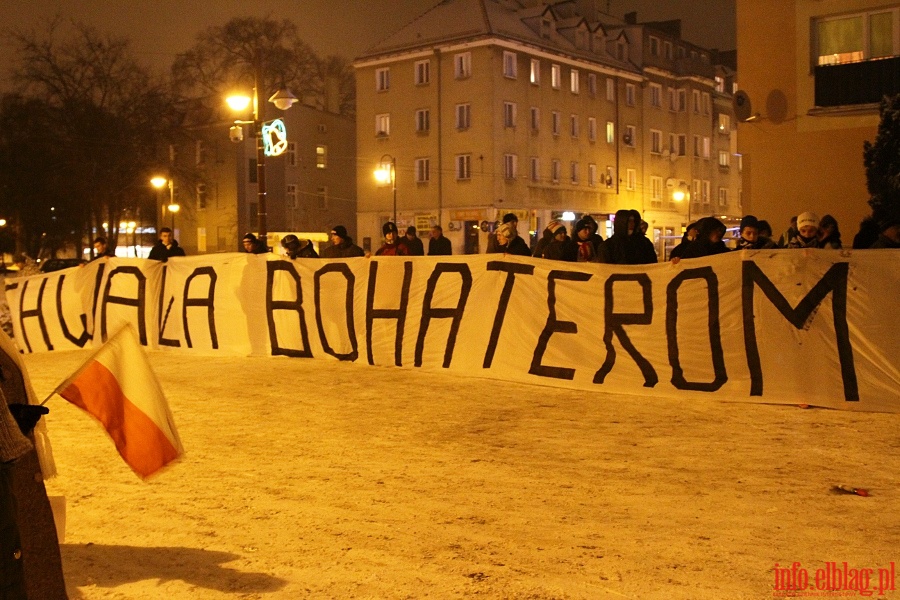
[117,387]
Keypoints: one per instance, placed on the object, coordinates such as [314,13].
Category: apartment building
[309,189]
[484,107]
[812,79]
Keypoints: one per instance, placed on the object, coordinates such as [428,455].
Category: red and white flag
[117,387]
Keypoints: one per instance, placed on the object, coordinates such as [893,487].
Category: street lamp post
[387,173]
[282,99]
[158,182]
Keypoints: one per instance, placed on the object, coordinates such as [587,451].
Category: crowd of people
[628,244]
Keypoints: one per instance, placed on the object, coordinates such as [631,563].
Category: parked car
[57,264]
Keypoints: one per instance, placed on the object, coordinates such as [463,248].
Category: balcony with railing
[863,82]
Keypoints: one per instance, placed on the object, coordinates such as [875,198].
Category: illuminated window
[610,132]
[574,81]
[321,157]
[535,75]
[555,76]
[383,125]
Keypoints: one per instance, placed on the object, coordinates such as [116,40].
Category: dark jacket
[884,241]
[346,249]
[440,246]
[624,249]
[414,247]
[703,246]
[161,253]
[306,250]
[565,250]
[515,246]
[761,243]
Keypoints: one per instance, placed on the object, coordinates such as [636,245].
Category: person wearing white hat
[807,231]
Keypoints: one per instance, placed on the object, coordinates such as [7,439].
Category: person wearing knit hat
[414,246]
[582,237]
[561,246]
[392,245]
[509,242]
[807,232]
[253,245]
[294,247]
[547,237]
[342,245]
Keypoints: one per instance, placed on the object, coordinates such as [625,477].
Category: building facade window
[463,166]
[423,170]
[555,76]
[630,179]
[535,118]
[321,157]
[706,197]
[630,94]
[697,146]
[574,81]
[592,129]
[724,123]
[535,169]
[290,196]
[592,84]
[705,147]
[610,132]
[201,196]
[510,65]
[610,89]
[199,153]
[682,100]
[672,96]
[667,50]
[509,114]
[382,79]
[555,170]
[555,122]
[462,65]
[654,45]
[695,95]
[322,197]
[656,187]
[656,141]
[706,103]
[656,95]
[724,158]
[422,72]
[630,137]
[292,154]
[463,116]
[723,197]
[535,73]
[592,175]
[855,37]
[682,144]
[573,173]
[573,125]
[383,125]
[510,166]
[423,120]
[610,176]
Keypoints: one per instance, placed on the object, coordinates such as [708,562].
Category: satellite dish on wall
[743,110]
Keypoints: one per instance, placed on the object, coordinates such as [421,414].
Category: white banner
[806,327]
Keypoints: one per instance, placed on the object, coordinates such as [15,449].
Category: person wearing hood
[546,237]
[807,235]
[710,232]
[297,248]
[166,246]
[584,245]
[392,245]
[628,245]
[596,238]
[867,234]
[342,245]
[438,245]
[829,234]
[253,245]
[690,234]
[749,235]
[509,242]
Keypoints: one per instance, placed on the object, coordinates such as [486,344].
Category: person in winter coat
[749,235]
[166,246]
[710,232]
[438,245]
[13,446]
[690,234]
[342,245]
[101,248]
[546,237]
[829,234]
[296,248]
[596,238]
[414,245]
[560,246]
[807,234]
[627,245]
[392,245]
[584,244]
[510,219]
[508,242]
[253,245]
[867,234]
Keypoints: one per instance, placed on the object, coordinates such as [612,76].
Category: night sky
[159,29]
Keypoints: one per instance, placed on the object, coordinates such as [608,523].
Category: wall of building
[794,161]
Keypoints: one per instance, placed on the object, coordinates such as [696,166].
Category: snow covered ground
[318,479]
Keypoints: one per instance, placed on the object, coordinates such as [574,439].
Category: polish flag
[118,388]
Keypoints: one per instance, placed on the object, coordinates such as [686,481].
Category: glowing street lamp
[271,137]
[387,173]
[158,182]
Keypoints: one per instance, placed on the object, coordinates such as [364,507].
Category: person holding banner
[392,245]
[627,245]
[297,248]
[342,245]
[710,232]
[166,246]
[253,245]
[508,242]
[749,235]
[807,234]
